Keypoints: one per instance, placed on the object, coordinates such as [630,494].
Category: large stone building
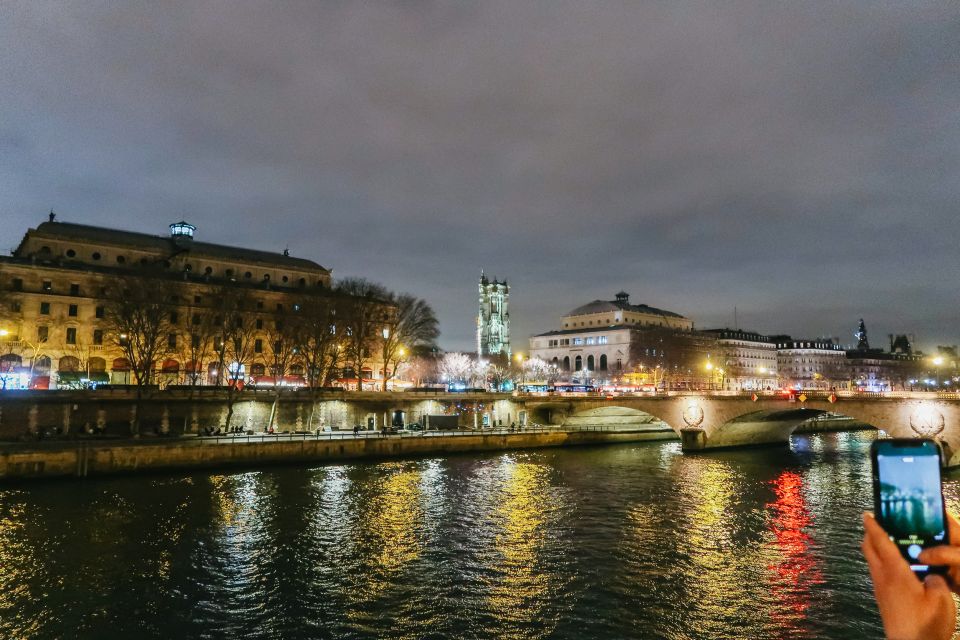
[746,360]
[493,319]
[607,341]
[810,364]
[54,292]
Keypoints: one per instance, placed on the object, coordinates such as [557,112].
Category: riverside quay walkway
[474,421]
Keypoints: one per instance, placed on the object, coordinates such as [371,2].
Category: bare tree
[197,339]
[455,368]
[498,375]
[236,326]
[138,321]
[362,316]
[420,369]
[319,351]
[413,326]
[283,348]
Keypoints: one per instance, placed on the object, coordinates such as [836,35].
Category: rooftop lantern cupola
[623,298]
[181,233]
[182,230]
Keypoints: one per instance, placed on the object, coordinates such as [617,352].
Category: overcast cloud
[800,160]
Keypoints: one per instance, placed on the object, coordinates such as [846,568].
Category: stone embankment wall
[82,459]
[26,415]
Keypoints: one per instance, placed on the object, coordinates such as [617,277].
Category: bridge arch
[615,417]
[709,420]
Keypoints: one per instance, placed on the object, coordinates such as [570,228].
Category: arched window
[555,361]
[589,363]
[42,364]
[9,362]
[603,362]
[566,363]
[121,364]
[578,363]
[258,369]
[69,363]
[170,366]
[97,365]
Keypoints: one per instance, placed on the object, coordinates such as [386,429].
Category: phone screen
[908,496]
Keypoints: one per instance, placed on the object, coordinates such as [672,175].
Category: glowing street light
[937,361]
[4,333]
[519,358]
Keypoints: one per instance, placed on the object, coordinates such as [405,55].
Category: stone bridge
[712,420]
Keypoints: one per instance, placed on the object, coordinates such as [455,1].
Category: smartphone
[908,497]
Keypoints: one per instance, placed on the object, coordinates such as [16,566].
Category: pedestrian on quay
[911,609]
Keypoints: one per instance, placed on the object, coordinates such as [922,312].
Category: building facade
[618,342]
[811,364]
[747,360]
[493,319]
[55,292]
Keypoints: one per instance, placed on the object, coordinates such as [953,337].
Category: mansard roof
[603,306]
[136,240]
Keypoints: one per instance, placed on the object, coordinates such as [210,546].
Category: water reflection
[795,572]
[609,542]
[520,518]
[390,530]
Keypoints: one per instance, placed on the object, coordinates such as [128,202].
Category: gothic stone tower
[493,319]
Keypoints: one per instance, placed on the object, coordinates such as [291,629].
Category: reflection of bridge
[708,420]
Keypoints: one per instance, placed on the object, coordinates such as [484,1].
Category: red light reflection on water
[796,572]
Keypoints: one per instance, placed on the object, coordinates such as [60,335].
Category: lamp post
[937,361]
[519,359]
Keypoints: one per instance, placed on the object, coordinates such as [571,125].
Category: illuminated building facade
[53,288]
[493,319]
[811,364]
[606,341]
[747,361]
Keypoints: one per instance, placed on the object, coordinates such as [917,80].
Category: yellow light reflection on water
[520,588]
[717,564]
[18,561]
[391,529]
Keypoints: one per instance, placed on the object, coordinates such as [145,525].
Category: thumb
[935,584]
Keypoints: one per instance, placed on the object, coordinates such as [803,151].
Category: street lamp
[937,361]
[519,359]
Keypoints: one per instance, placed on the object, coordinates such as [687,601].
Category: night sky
[797,160]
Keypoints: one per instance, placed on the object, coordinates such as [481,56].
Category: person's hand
[910,609]
[947,554]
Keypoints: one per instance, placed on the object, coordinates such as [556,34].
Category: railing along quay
[242,438]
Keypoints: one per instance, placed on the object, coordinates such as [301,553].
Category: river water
[626,541]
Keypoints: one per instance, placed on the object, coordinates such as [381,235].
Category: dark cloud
[797,160]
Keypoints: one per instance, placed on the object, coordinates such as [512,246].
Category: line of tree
[315,335]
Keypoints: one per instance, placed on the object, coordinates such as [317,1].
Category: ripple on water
[633,541]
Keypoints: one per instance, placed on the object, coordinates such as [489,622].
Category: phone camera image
[909,498]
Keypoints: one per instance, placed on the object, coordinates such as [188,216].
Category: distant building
[607,341]
[748,360]
[493,319]
[811,364]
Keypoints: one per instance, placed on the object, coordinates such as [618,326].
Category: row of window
[563,342]
[229,273]
[609,322]
[578,363]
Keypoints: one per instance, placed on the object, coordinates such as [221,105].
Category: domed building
[605,338]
